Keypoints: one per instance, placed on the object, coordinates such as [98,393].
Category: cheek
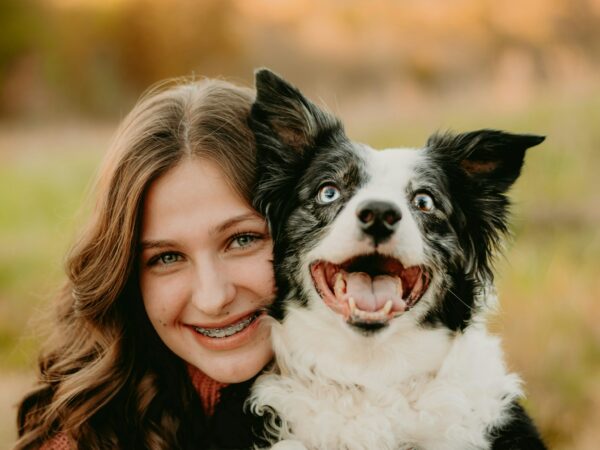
[263,278]
[257,276]
[163,299]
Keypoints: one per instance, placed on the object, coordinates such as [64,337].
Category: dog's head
[376,235]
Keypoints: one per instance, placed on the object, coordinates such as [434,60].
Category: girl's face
[206,271]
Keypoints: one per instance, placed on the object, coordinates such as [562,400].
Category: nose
[214,289]
[378,219]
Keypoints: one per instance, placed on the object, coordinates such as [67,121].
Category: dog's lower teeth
[369,316]
[226,331]
[387,307]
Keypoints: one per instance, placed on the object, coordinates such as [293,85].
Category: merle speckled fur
[301,147]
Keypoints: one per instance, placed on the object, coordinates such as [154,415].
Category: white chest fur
[410,388]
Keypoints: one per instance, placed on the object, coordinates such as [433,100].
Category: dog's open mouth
[369,289]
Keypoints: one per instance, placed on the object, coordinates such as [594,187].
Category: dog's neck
[309,347]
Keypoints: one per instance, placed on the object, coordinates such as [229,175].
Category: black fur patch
[292,166]
[470,174]
[519,433]
[301,148]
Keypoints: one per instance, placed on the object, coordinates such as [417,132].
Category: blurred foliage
[94,56]
[548,282]
[394,71]
[17,23]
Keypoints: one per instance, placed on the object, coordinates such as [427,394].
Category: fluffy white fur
[425,388]
[428,377]
[428,389]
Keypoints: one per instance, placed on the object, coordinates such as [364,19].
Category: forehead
[193,195]
[393,167]
[192,181]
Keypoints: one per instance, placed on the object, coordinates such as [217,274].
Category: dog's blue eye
[423,202]
[328,193]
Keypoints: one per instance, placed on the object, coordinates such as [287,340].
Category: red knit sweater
[208,389]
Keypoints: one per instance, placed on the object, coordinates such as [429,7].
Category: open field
[548,280]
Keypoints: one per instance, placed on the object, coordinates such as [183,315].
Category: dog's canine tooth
[400,289]
[387,307]
[416,290]
[339,285]
[352,304]
[380,315]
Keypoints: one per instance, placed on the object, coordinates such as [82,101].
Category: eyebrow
[146,245]
[161,243]
[234,221]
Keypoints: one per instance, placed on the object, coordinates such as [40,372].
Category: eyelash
[158,259]
[254,237]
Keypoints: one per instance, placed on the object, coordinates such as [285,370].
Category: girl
[160,327]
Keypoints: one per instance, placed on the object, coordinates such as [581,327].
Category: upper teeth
[339,286]
[226,331]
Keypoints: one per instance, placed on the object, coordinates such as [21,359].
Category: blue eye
[243,240]
[165,259]
[423,202]
[328,193]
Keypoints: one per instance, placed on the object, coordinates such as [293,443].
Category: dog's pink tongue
[371,294]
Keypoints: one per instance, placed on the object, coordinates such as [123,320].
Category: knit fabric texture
[59,442]
[208,389]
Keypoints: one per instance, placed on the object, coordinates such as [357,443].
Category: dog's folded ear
[282,112]
[487,156]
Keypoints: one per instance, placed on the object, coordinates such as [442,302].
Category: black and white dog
[383,263]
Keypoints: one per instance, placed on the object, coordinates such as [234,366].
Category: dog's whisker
[361,237]
[471,308]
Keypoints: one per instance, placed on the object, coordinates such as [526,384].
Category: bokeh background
[394,71]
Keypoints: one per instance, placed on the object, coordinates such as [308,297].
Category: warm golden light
[96,4]
[394,71]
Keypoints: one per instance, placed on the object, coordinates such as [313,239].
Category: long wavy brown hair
[105,378]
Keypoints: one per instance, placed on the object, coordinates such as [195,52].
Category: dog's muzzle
[369,289]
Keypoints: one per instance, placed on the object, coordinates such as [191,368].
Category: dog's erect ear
[289,130]
[481,166]
[487,156]
[288,116]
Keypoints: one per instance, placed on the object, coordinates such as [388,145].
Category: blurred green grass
[548,282]
[548,279]
[43,179]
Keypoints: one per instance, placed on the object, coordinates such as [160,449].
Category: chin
[238,365]
[245,370]
[383,263]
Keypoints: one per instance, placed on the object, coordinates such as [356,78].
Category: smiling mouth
[229,330]
[369,290]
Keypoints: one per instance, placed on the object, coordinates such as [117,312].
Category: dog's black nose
[378,219]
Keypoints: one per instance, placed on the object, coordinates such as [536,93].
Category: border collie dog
[383,264]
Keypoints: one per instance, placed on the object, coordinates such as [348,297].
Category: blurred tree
[162,39]
[20,29]
[95,57]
